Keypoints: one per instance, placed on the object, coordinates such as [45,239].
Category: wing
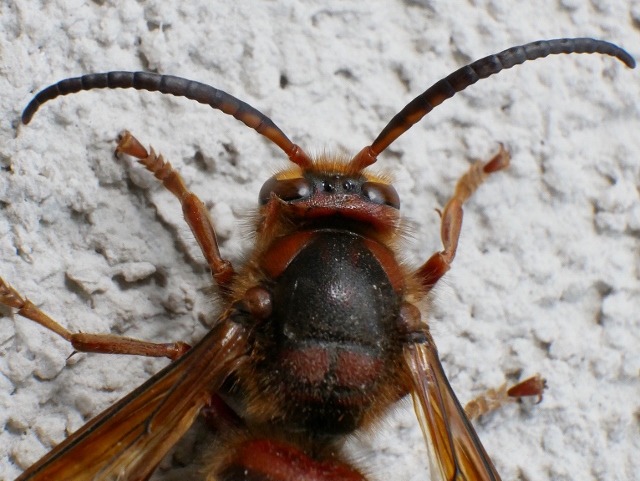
[128,440]
[455,452]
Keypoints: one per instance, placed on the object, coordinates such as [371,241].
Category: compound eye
[287,189]
[383,194]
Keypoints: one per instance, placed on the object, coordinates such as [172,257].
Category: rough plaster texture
[546,277]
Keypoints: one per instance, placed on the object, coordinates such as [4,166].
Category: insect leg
[494,398]
[440,262]
[195,213]
[128,440]
[81,342]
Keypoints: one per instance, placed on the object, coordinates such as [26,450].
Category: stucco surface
[546,278]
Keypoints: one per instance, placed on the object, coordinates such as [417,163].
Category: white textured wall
[546,277]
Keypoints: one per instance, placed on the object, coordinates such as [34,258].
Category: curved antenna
[180,87]
[470,74]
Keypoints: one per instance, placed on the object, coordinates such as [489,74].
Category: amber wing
[128,440]
[455,452]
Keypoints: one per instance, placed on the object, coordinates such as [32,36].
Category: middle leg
[82,342]
[494,398]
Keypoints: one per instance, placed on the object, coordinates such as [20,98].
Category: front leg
[193,209]
[440,262]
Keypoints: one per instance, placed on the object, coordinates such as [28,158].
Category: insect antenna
[468,75]
[180,87]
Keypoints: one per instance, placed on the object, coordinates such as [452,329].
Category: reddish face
[333,194]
